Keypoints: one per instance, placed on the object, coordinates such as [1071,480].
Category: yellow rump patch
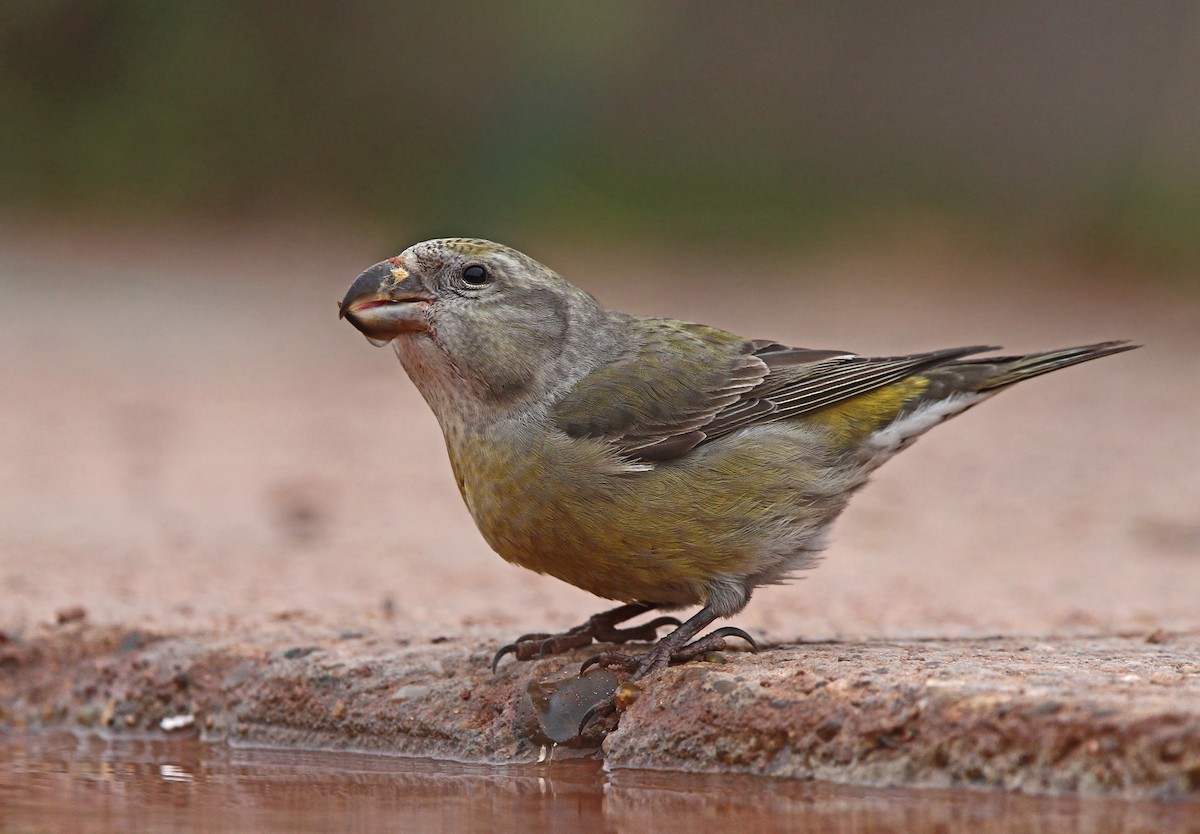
[858,417]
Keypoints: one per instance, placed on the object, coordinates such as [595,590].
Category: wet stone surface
[1117,715]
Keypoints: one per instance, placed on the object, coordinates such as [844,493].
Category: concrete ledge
[1118,715]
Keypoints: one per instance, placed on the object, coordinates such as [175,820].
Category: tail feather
[1011,369]
[958,385]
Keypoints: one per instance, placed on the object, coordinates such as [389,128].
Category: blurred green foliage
[1074,123]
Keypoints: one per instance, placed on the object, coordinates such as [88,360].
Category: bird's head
[468,318]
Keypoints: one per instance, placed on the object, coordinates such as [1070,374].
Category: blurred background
[189,435]
[1074,125]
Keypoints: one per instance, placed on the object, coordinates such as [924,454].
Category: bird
[659,463]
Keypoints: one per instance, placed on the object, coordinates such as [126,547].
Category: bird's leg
[712,642]
[674,648]
[600,627]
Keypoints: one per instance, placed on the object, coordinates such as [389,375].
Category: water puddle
[86,786]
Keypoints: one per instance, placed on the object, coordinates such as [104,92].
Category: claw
[511,648]
[712,642]
[525,638]
[602,628]
[619,701]
[608,660]
[732,631]
[603,708]
[659,622]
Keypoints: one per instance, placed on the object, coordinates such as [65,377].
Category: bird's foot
[601,628]
[667,652]
[661,656]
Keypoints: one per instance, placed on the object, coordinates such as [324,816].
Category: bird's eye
[476,275]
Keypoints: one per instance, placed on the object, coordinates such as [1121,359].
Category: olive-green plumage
[642,458]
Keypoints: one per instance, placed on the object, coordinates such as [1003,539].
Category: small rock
[131,642]
[1157,637]
[239,676]
[298,512]
[88,717]
[724,687]
[410,691]
[1044,708]
[627,694]
[829,728]
[558,705]
[70,614]
[176,722]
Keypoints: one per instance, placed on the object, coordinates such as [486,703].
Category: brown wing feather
[680,385]
[653,401]
[802,381]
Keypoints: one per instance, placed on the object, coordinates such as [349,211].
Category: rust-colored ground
[192,443]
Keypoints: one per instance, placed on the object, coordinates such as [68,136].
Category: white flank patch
[893,438]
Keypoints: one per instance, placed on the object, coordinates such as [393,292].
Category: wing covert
[679,385]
